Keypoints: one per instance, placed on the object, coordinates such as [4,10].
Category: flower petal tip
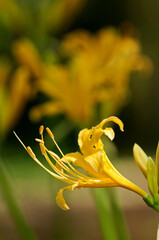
[61,201]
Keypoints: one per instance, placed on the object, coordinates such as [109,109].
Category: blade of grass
[103,207]
[8,193]
[110,215]
[118,216]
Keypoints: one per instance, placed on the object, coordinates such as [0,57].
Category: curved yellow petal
[89,139]
[73,157]
[92,164]
[109,132]
[96,161]
[111,119]
[60,199]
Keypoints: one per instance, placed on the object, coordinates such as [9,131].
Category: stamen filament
[79,175]
[19,140]
[56,169]
[52,137]
[54,174]
[65,167]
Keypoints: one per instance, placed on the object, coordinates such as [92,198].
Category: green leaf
[152,177]
[7,191]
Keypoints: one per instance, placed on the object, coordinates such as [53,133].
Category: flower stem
[118,216]
[102,201]
[110,215]
[7,191]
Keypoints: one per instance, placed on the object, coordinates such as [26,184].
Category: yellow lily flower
[15,91]
[26,54]
[97,72]
[93,159]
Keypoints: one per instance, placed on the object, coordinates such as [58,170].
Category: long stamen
[52,137]
[54,174]
[77,172]
[41,130]
[59,162]
[53,166]
[19,140]
[32,154]
[74,172]
[57,170]
[65,167]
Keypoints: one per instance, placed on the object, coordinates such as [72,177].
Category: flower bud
[140,158]
[157,163]
[152,178]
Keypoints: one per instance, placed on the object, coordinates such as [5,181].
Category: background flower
[97,71]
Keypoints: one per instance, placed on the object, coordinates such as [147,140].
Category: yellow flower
[97,72]
[26,54]
[15,91]
[93,159]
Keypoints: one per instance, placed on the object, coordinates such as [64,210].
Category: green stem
[151,202]
[105,216]
[118,216]
[7,191]
[110,215]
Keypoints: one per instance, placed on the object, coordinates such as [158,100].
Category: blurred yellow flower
[15,91]
[98,71]
[26,54]
[93,159]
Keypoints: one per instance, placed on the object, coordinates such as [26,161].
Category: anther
[50,133]
[31,153]
[41,129]
[42,148]
[39,140]
[54,155]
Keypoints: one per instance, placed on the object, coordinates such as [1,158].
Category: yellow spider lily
[15,91]
[93,159]
[97,72]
